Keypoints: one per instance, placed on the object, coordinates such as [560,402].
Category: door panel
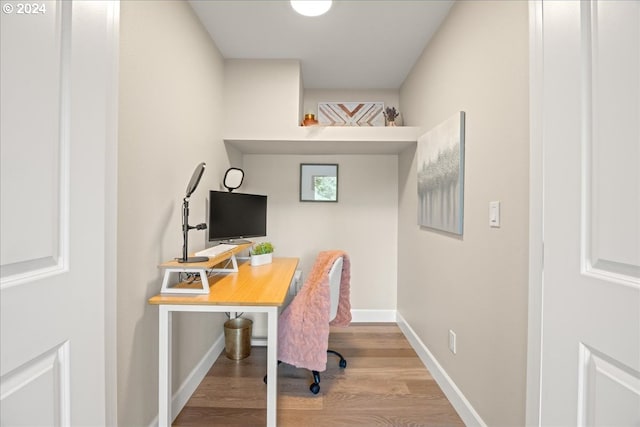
[611,61]
[33,189]
[591,328]
[37,393]
[609,392]
[590,369]
[57,102]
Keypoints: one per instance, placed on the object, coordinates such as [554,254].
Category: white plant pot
[261,259]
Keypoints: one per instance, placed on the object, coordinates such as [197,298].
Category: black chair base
[315,386]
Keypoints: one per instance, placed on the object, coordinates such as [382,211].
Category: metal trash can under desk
[237,338]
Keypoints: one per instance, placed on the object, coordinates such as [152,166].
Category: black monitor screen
[236,215]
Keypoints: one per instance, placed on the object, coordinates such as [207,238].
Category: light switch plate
[494,214]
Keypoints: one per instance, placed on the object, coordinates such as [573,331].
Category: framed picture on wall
[318,182]
[440,163]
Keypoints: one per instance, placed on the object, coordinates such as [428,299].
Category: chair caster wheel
[315,388]
[343,363]
[265,379]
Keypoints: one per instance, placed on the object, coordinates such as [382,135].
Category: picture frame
[319,182]
[361,114]
[440,169]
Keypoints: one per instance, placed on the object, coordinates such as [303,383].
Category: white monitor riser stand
[199,269]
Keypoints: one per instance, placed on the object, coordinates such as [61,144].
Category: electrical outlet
[452,341]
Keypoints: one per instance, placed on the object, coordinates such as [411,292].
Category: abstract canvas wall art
[351,113]
[440,164]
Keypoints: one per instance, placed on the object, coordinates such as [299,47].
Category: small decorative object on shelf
[390,114]
[261,253]
[309,120]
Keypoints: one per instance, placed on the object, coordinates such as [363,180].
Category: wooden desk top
[262,285]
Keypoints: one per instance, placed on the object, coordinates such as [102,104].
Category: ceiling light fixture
[311,7]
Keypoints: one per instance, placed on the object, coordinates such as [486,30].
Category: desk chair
[335,275]
[303,328]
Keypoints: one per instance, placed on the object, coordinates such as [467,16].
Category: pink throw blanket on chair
[303,327]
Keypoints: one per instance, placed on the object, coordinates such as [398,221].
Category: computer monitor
[236,216]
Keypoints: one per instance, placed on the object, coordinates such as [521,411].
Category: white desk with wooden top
[252,289]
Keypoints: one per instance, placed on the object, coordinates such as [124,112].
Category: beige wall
[363,222]
[475,285]
[171,85]
[261,96]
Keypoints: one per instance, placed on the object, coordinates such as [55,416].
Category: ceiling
[358,44]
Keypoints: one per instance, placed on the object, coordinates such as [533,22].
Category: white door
[57,80]
[590,367]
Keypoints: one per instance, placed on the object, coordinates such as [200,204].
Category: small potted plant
[390,114]
[261,253]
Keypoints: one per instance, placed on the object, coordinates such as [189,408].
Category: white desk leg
[164,367]
[272,365]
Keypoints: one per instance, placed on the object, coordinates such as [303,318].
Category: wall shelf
[327,140]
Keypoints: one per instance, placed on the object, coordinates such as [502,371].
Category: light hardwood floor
[384,384]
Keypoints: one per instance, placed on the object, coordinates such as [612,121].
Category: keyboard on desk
[214,251]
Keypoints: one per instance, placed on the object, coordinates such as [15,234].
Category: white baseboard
[460,403]
[258,341]
[181,397]
[374,316]
[357,316]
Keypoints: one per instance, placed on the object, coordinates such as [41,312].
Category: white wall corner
[536,247]
[460,403]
